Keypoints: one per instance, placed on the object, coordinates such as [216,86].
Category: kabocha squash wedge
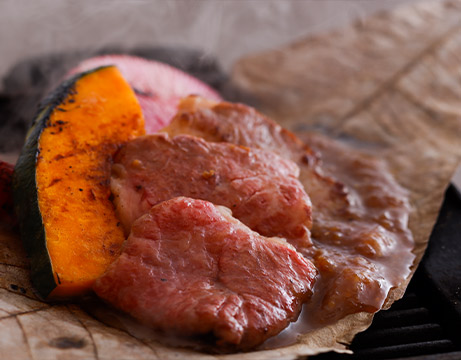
[61,181]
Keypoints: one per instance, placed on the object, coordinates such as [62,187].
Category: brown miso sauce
[362,249]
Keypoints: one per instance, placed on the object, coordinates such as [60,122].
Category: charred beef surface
[260,188]
[190,268]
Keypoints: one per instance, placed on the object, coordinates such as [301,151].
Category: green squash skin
[33,233]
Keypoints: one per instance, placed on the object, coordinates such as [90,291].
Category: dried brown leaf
[389,84]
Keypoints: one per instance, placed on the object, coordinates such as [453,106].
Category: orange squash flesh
[72,175]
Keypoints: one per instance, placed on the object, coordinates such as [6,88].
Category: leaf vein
[95,348]
[26,340]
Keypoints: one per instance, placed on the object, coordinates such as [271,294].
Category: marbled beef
[242,125]
[260,188]
[190,268]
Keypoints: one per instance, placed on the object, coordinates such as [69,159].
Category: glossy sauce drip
[362,249]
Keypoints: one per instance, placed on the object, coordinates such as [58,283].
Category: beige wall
[227,28]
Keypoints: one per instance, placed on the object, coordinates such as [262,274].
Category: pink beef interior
[260,188]
[189,267]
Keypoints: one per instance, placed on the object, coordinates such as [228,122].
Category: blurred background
[223,29]
[227,29]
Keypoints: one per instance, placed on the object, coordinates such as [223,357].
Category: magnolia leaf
[387,85]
